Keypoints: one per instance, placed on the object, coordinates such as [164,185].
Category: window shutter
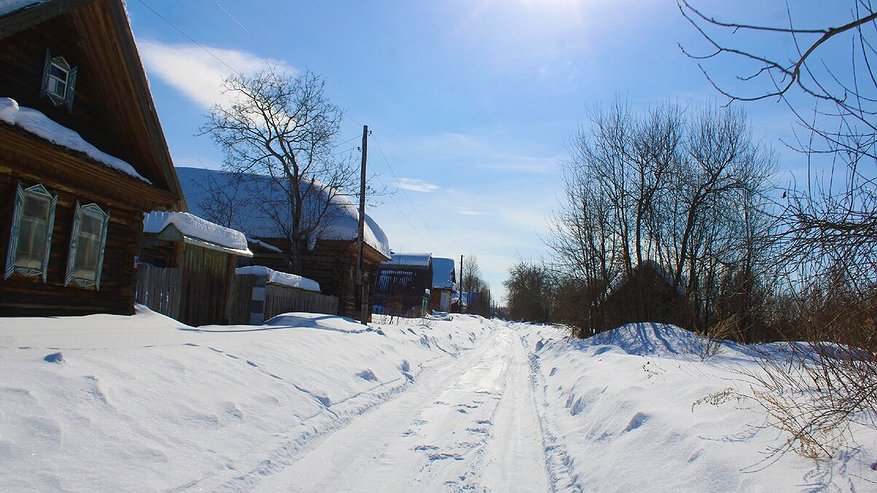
[13,235]
[50,227]
[47,65]
[71,88]
[74,240]
[103,245]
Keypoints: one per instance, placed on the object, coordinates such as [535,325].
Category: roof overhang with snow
[409,260]
[193,230]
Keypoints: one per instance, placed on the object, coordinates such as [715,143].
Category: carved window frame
[22,195]
[87,242]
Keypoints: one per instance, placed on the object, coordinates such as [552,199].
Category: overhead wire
[408,198]
[190,38]
[380,149]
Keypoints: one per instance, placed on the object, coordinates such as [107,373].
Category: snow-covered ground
[319,403]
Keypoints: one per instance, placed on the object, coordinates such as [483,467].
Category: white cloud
[416,185]
[478,151]
[195,72]
[465,211]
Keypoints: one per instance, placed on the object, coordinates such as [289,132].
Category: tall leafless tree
[278,133]
[663,187]
[825,76]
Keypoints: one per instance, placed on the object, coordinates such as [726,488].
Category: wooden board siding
[112,108]
[400,289]
[21,295]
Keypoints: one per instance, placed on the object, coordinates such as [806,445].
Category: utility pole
[461,284]
[360,281]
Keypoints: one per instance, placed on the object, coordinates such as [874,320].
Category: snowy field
[319,403]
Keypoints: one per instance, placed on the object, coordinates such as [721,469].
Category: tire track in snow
[436,436]
[558,463]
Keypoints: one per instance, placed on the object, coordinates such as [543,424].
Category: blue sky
[472,103]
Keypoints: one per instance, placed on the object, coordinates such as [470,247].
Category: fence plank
[159,288]
[277,300]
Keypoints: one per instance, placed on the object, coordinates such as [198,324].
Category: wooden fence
[159,288]
[252,301]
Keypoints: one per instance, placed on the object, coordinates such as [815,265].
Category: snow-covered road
[311,402]
[471,425]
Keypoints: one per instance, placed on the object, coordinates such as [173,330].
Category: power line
[241,25]
[407,197]
[190,38]
[404,216]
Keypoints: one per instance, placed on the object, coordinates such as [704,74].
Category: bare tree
[829,225]
[530,293]
[834,100]
[664,187]
[280,128]
[475,288]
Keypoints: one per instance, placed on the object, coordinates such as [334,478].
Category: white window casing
[30,239]
[59,80]
[87,245]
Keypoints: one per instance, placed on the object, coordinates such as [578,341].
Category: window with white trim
[30,239]
[87,243]
[59,80]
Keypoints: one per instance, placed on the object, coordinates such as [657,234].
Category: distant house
[404,283]
[647,295]
[204,256]
[83,157]
[443,284]
[330,259]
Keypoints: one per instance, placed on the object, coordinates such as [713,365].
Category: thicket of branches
[682,189]
[479,301]
[828,230]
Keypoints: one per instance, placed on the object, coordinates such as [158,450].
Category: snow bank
[281,278]
[144,403]
[645,338]
[636,409]
[42,126]
[197,228]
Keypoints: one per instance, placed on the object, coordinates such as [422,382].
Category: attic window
[59,81]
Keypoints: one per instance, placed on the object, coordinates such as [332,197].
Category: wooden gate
[159,288]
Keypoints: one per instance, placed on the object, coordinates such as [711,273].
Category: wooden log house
[404,283]
[82,157]
[331,260]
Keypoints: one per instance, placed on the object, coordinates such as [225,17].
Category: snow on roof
[281,278]
[196,230]
[253,217]
[266,246]
[409,260]
[42,126]
[10,6]
[442,273]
